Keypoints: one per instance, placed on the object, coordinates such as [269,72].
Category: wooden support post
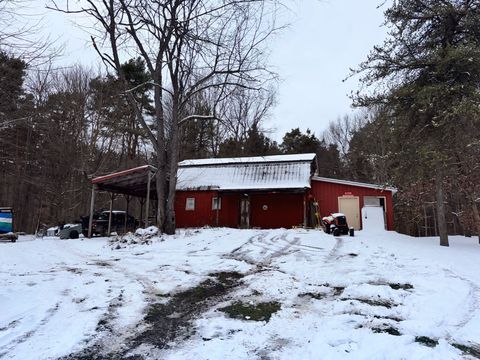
[142,203]
[147,204]
[127,199]
[92,209]
[109,231]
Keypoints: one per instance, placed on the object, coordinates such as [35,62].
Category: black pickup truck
[121,223]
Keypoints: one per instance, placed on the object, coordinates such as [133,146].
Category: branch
[199,117]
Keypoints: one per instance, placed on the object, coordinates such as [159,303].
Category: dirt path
[170,320]
[165,323]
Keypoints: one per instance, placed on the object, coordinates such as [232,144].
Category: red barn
[255,192]
[258,192]
[349,197]
[270,192]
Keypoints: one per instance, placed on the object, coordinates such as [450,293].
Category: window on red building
[190,204]
[216,203]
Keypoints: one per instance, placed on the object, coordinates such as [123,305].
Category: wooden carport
[135,182]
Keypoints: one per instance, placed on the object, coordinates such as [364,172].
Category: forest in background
[420,132]
[61,128]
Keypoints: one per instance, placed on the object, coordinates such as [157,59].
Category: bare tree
[245,110]
[189,46]
[20,34]
[341,131]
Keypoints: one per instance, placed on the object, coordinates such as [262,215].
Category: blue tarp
[6,221]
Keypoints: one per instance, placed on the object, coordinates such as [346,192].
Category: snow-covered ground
[366,297]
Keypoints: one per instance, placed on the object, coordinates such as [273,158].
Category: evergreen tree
[198,136]
[17,140]
[328,156]
[427,73]
[256,143]
[295,142]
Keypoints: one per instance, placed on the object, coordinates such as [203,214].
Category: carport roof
[129,182]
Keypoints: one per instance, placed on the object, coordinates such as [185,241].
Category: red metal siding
[228,215]
[327,196]
[203,213]
[283,210]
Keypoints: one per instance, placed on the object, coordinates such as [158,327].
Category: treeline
[380,151]
[60,128]
[57,128]
[419,130]
[422,88]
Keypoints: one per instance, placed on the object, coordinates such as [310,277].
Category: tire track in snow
[20,339]
[270,247]
[91,259]
[473,295]
[252,240]
[333,254]
[90,264]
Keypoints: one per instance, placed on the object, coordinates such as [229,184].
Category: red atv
[337,224]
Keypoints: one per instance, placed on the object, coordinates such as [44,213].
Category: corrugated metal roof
[130,182]
[287,172]
[123,173]
[251,159]
[355,183]
[248,173]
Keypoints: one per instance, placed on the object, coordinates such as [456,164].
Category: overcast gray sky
[325,38]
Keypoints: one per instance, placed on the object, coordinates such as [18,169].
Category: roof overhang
[128,182]
[355,183]
[248,190]
[276,173]
[265,191]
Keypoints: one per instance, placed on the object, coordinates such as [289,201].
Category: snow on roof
[241,173]
[355,183]
[254,159]
[254,173]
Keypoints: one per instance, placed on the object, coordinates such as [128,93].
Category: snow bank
[366,297]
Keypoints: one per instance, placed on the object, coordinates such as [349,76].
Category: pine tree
[328,156]
[16,138]
[427,73]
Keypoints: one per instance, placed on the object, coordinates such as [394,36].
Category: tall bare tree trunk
[440,197]
[160,185]
[170,223]
[161,182]
[160,154]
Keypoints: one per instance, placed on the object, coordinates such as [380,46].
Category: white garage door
[373,218]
